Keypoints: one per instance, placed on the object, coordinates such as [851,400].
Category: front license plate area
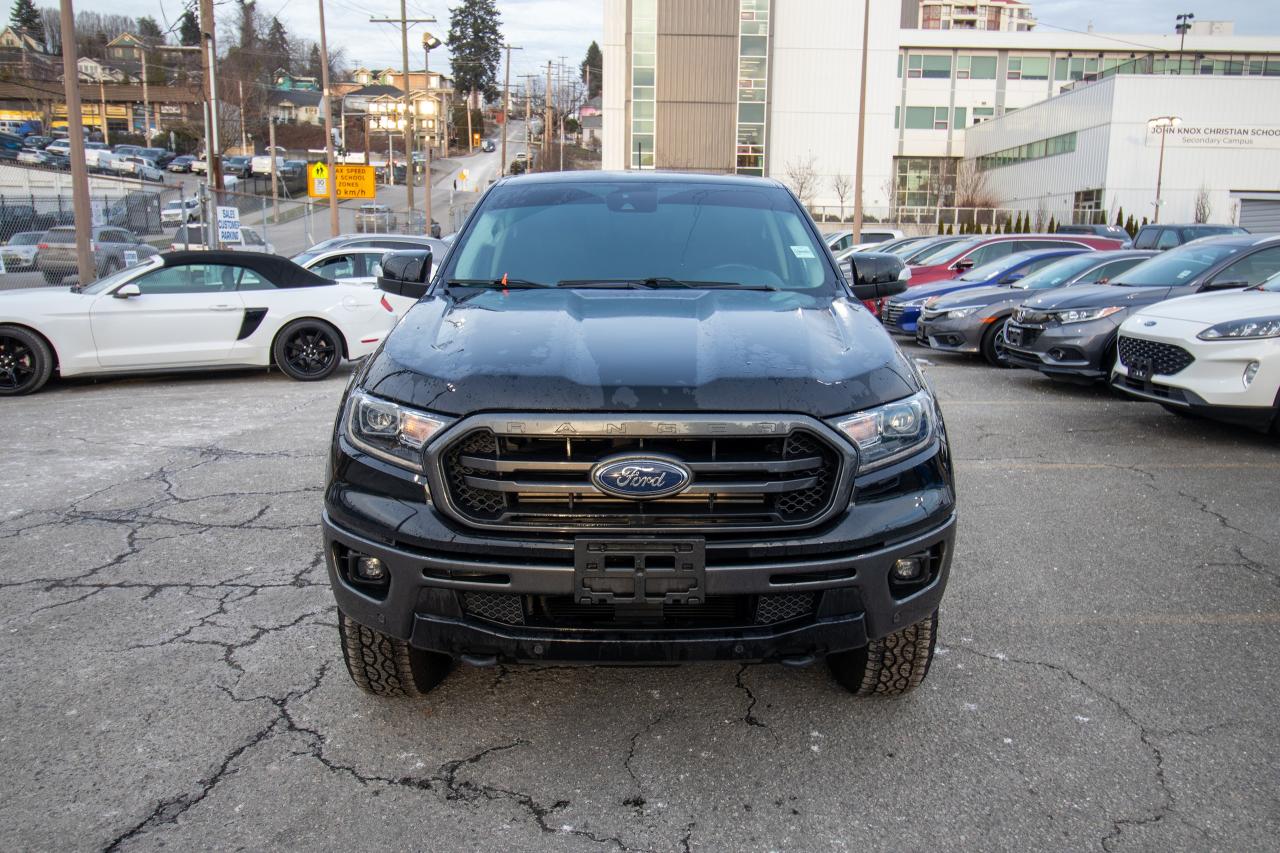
[1013,336]
[639,571]
[1140,370]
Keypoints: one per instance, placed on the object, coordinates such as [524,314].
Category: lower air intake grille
[503,607]
[772,609]
[719,611]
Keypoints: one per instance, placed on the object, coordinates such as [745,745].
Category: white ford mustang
[189,310]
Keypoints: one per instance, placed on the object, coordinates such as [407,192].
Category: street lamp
[1182,28]
[1161,125]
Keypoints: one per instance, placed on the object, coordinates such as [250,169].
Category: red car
[954,259]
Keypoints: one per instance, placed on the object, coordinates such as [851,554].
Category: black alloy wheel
[25,362]
[308,350]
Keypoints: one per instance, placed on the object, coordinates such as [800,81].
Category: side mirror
[963,265]
[406,273]
[877,275]
[127,290]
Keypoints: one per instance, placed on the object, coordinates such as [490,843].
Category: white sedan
[1213,354]
[189,311]
[356,266]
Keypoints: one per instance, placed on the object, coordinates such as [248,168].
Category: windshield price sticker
[803,252]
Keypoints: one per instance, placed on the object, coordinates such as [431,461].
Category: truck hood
[609,351]
[1096,296]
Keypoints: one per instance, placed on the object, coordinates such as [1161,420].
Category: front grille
[892,314]
[544,481]
[1028,338]
[1166,359]
[718,611]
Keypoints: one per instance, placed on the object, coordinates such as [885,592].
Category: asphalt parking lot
[170,674]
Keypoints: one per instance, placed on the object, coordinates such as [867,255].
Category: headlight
[890,432]
[1080,315]
[959,313]
[388,431]
[1252,328]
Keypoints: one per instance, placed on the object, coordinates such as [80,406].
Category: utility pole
[528,106]
[862,125]
[404,20]
[102,99]
[563,100]
[244,142]
[547,121]
[506,108]
[326,107]
[75,135]
[209,59]
[146,101]
[275,184]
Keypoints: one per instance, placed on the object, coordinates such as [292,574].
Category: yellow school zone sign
[352,180]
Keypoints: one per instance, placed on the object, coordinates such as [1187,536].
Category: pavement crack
[748,717]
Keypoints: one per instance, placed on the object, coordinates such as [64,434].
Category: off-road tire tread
[891,666]
[385,666]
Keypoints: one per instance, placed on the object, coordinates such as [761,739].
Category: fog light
[1250,372]
[370,569]
[907,569]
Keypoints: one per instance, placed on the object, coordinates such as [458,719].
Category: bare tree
[842,184]
[972,189]
[803,179]
[1203,207]
[1042,216]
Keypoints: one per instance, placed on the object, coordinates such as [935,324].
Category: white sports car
[1212,354]
[189,310]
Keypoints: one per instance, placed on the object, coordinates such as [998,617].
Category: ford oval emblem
[640,478]
[1148,322]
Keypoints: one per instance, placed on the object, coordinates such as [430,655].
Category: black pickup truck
[639,417]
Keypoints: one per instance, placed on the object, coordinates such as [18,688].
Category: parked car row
[1195,328]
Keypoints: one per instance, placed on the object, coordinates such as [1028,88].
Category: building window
[929,66]
[1063,144]
[753,85]
[644,72]
[1076,68]
[1028,68]
[976,67]
[961,118]
[926,118]
[981,114]
[924,181]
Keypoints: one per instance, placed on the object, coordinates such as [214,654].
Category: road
[171,676]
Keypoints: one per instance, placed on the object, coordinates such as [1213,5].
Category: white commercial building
[1097,147]
[771,87]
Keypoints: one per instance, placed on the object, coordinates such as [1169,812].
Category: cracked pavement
[171,676]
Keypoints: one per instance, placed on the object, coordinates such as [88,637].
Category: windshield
[1213,231]
[944,254]
[1057,273]
[745,234]
[994,268]
[1174,267]
[115,278]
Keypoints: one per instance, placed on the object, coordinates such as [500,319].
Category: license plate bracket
[639,571]
[1140,370]
[1013,335]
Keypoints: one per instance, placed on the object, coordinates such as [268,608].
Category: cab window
[1147,238]
[988,253]
[338,267]
[1168,239]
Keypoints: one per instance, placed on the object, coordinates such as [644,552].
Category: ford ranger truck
[638,417]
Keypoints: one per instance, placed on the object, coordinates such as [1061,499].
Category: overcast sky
[550,29]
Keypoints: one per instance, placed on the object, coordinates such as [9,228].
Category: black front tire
[993,344]
[308,350]
[891,666]
[384,666]
[26,361]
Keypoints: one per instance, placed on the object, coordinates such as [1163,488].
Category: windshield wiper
[504,283]
[657,282]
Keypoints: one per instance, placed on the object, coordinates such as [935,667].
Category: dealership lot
[171,674]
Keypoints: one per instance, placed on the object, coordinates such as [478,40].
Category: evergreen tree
[1144,222]
[949,231]
[942,229]
[1131,226]
[314,65]
[149,30]
[1120,218]
[593,70]
[278,49]
[475,39]
[26,17]
[1053,224]
[188,29]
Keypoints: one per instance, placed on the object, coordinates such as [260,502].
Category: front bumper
[1080,350]
[939,333]
[422,603]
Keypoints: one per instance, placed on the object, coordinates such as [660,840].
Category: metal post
[213,146]
[244,143]
[102,98]
[146,100]
[547,121]
[426,139]
[506,108]
[862,125]
[1159,176]
[75,134]
[408,120]
[326,105]
[275,184]
[470,134]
